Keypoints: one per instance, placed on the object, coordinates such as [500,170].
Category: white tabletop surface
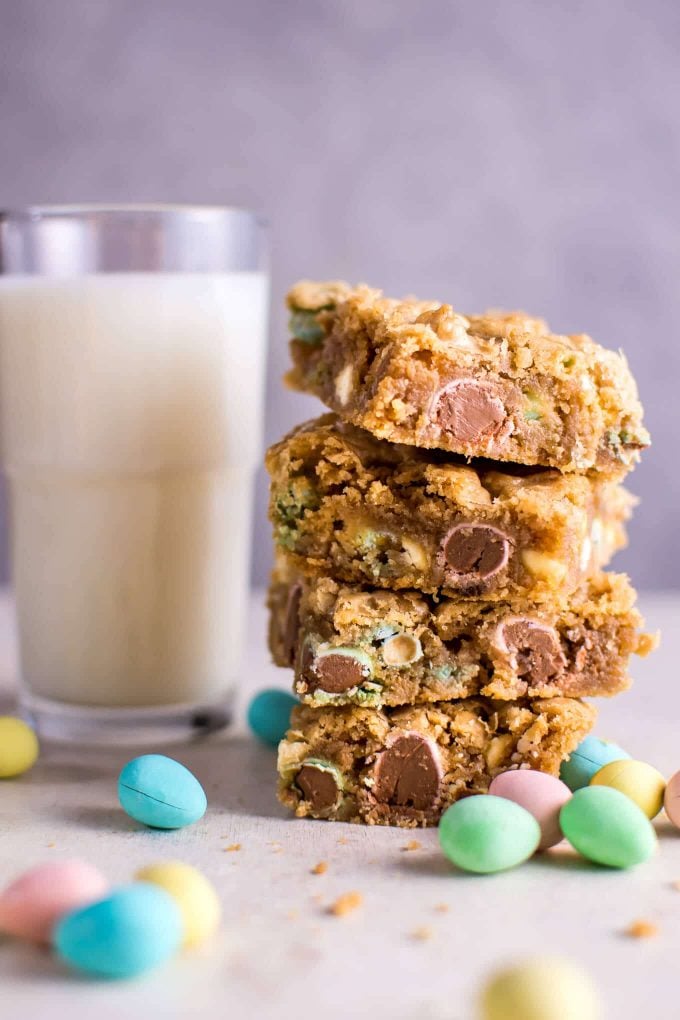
[281,954]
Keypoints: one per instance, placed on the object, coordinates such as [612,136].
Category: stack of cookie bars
[439,587]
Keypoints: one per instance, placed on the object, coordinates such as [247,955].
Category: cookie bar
[498,385]
[405,766]
[363,510]
[374,648]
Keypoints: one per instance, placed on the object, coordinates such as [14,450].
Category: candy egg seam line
[157,800]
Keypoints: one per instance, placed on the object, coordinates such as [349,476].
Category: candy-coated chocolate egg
[269,715]
[486,834]
[19,747]
[671,800]
[194,894]
[641,782]
[541,989]
[607,827]
[161,792]
[540,794]
[135,928]
[588,758]
[33,902]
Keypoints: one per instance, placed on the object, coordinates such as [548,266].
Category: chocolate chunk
[476,551]
[291,626]
[318,786]
[535,649]
[469,410]
[338,671]
[408,773]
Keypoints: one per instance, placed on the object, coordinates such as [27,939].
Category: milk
[130,421]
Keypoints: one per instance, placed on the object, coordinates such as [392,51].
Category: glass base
[159,724]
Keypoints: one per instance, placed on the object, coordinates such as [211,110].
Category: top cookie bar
[498,385]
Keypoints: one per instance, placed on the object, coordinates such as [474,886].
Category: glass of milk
[132,355]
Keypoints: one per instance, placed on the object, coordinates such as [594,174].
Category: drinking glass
[132,358]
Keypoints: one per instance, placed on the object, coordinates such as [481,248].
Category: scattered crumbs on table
[292,915]
[676,885]
[346,904]
[342,841]
[422,933]
[641,930]
[413,844]
[50,846]
[442,908]
[321,868]
[273,842]
[232,848]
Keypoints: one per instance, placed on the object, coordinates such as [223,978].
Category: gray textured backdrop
[491,153]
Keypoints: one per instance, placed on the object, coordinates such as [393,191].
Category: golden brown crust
[463,743]
[497,385]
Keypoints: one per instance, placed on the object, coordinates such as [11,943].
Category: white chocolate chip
[586,553]
[401,650]
[587,384]
[523,358]
[416,553]
[544,567]
[344,385]
[498,749]
[596,531]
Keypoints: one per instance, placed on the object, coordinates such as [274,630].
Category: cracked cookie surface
[499,385]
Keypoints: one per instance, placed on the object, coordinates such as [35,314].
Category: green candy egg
[487,834]
[607,827]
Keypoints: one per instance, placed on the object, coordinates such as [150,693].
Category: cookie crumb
[422,934]
[676,885]
[321,868]
[50,846]
[414,844]
[232,848]
[292,915]
[442,908]
[345,904]
[641,930]
[342,841]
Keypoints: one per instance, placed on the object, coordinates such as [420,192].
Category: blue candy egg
[161,792]
[269,715]
[588,758]
[135,928]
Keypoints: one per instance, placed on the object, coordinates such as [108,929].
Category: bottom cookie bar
[405,766]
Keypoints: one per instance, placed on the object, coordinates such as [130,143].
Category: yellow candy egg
[18,747]
[541,989]
[194,894]
[641,782]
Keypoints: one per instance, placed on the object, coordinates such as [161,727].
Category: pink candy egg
[33,902]
[671,799]
[538,793]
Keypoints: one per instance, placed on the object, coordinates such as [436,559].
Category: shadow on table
[35,965]
[436,864]
[238,774]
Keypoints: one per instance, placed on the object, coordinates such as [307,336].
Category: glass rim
[104,209]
